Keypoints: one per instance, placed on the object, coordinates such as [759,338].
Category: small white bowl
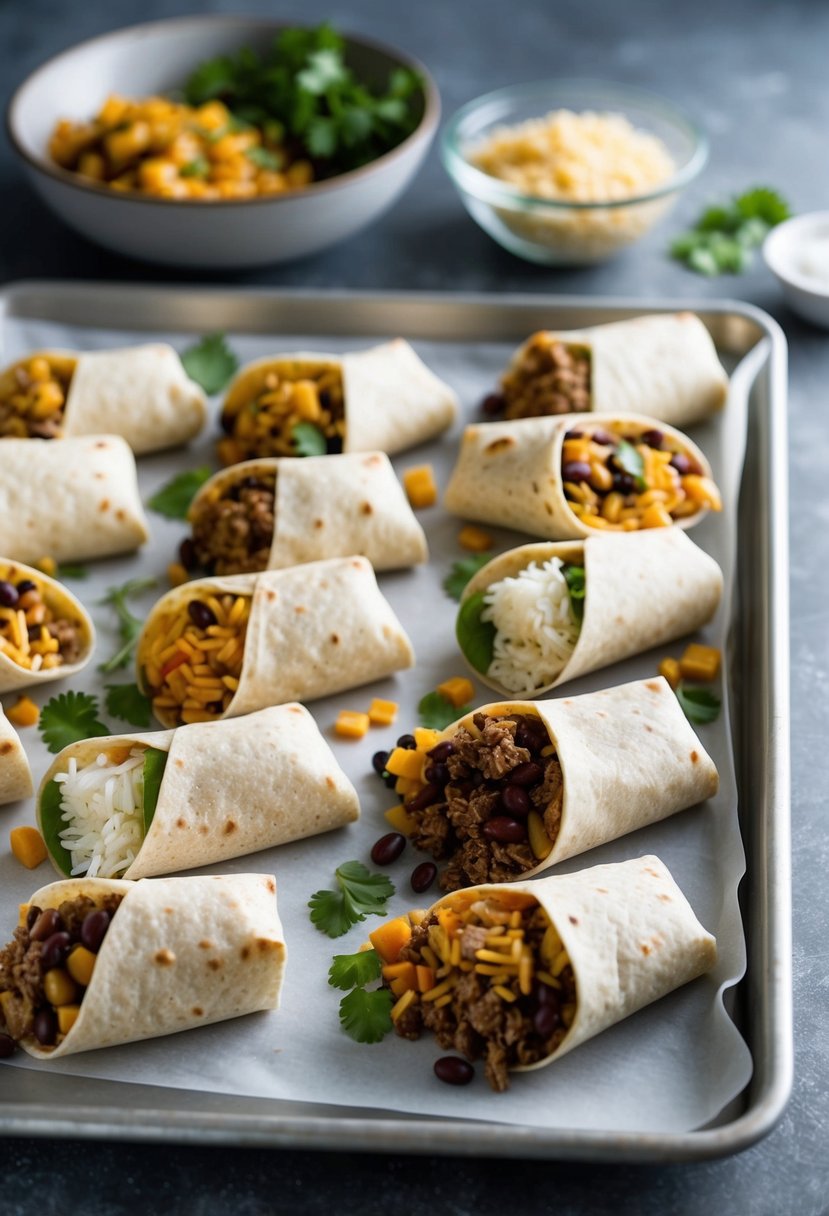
[786,252]
[157,58]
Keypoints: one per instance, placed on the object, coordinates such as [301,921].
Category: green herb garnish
[359,894]
[64,572]
[436,712]
[476,637]
[127,702]
[577,587]
[366,1016]
[464,569]
[129,626]
[70,717]
[198,167]
[155,762]
[173,499]
[51,825]
[724,238]
[264,158]
[632,461]
[211,363]
[308,439]
[699,705]
[355,970]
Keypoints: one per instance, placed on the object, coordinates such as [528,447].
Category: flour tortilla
[230,788]
[180,953]
[12,676]
[631,935]
[332,506]
[509,474]
[628,758]
[72,499]
[665,367]
[644,589]
[15,774]
[314,630]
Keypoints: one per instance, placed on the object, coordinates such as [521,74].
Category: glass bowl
[563,232]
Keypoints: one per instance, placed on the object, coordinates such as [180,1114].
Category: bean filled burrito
[45,632]
[275,512]
[141,393]
[518,976]
[305,404]
[15,774]
[517,786]
[563,478]
[543,614]
[96,962]
[223,647]
[131,806]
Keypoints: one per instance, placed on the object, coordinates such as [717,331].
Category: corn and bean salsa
[233,525]
[265,406]
[35,632]
[33,395]
[552,377]
[170,150]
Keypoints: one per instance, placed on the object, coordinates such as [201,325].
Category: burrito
[15,774]
[664,367]
[270,513]
[518,976]
[223,647]
[97,962]
[561,478]
[131,806]
[517,786]
[45,632]
[141,393]
[299,404]
[543,614]
[74,500]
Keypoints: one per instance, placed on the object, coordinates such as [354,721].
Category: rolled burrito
[664,367]
[271,513]
[382,399]
[543,614]
[516,786]
[131,806]
[563,478]
[45,631]
[96,962]
[595,947]
[73,500]
[15,774]
[141,393]
[223,647]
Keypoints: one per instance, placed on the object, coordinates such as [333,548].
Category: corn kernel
[700,662]
[382,713]
[476,540]
[702,491]
[67,1017]
[47,565]
[540,842]
[669,668]
[177,574]
[81,964]
[655,516]
[27,846]
[400,819]
[59,988]
[420,487]
[458,691]
[24,712]
[350,724]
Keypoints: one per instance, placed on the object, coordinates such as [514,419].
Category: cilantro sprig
[173,499]
[129,626]
[699,705]
[308,439]
[724,238]
[366,1015]
[211,363]
[127,702]
[359,894]
[70,717]
[436,712]
[355,970]
[632,462]
[464,569]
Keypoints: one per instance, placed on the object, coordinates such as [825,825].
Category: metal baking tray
[35,1103]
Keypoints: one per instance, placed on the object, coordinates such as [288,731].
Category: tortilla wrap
[628,758]
[663,367]
[313,631]
[332,506]
[509,474]
[229,788]
[631,935]
[643,589]
[63,603]
[15,774]
[179,953]
[76,499]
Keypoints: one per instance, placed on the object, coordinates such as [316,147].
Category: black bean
[55,950]
[187,554]
[46,924]
[32,915]
[7,1046]
[528,773]
[452,1070]
[388,848]
[429,795]
[215,707]
[574,435]
[408,742]
[531,734]
[575,470]
[441,751]
[623,483]
[504,830]
[681,463]
[378,762]
[200,614]
[654,439]
[94,929]
[228,423]
[545,995]
[46,1027]
[545,1020]
[423,876]
[437,774]
[8,594]
[516,800]
[603,438]
[493,403]
[334,445]
[390,780]
[25,585]
[325,398]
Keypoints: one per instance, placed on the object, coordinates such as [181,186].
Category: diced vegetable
[700,663]
[400,819]
[351,725]
[391,937]
[28,846]
[382,713]
[669,668]
[425,738]
[405,762]
[475,539]
[655,516]
[419,484]
[67,1017]
[47,565]
[176,574]
[81,964]
[407,785]
[59,987]
[458,691]
[401,971]
[703,491]
[425,977]
[24,712]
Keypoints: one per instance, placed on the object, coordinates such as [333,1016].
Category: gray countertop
[755,76]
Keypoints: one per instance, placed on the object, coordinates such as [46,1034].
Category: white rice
[102,805]
[536,630]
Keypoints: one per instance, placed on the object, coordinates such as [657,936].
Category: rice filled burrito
[519,976]
[543,614]
[15,773]
[311,404]
[223,647]
[514,787]
[131,806]
[563,478]
[74,500]
[141,393]
[96,962]
[45,631]
[665,367]
[275,512]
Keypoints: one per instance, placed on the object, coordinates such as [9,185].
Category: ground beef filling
[33,397]
[232,533]
[33,633]
[551,378]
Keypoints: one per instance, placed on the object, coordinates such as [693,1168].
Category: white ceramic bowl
[157,58]
[791,250]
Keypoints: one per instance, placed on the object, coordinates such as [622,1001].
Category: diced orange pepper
[401,971]
[458,691]
[405,786]
[350,724]
[28,846]
[425,978]
[24,712]
[476,540]
[449,920]
[176,574]
[405,762]
[655,516]
[391,937]
[700,662]
[400,819]
[669,668]
[419,484]
[425,738]
[176,661]
[67,1017]
[382,713]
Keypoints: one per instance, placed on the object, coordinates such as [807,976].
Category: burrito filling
[551,377]
[621,482]
[193,659]
[33,396]
[35,633]
[491,979]
[293,409]
[233,525]
[47,967]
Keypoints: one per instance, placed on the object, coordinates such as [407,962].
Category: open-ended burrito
[73,500]
[275,512]
[561,478]
[543,614]
[96,962]
[45,632]
[382,399]
[223,647]
[131,806]
[664,367]
[517,786]
[15,774]
[518,976]
[141,393]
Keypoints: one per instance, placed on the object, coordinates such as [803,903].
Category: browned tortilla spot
[602,891]
[214,963]
[299,609]
[319,523]
[653,686]
[270,595]
[245,952]
[165,958]
[197,1011]
[331,783]
[103,505]
[120,515]
[367,508]
[5,748]
[101,444]
[100,477]
[179,763]
[181,823]
[645,948]
[263,944]
[648,728]
[499,445]
[548,508]
[601,713]
[651,870]
[694,757]
[666,899]
[229,828]
[574,920]
[295,709]
[335,639]
[203,829]
[205,944]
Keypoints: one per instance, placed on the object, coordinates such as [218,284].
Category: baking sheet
[670,1068]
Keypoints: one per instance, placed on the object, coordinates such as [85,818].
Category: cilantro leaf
[476,637]
[436,713]
[65,572]
[211,363]
[724,237]
[699,705]
[632,462]
[198,167]
[462,571]
[265,158]
[360,894]
[173,499]
[366,1016]
[577,587]
[127,702]
[764,204]
[129,626]
[355,970]
[308,439]
[68,718]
